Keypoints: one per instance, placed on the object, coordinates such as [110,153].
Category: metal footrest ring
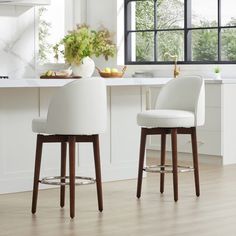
[167,169]
[56,180]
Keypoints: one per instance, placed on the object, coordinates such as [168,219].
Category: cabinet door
[126,103]
[17,141]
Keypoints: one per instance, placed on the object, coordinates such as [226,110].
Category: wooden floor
[214,213]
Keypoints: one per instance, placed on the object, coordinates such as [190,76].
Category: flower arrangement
[85,42]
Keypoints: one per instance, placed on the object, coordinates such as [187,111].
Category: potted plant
[81,44]
[217,72]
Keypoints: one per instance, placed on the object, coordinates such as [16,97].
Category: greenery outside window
[52,27]
[197,31]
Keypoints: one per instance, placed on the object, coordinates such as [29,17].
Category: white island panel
[17,109]
[23,100]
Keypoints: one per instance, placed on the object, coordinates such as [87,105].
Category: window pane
[204,45]
[171,42]
[170,14]
[51,29]
[204,13]
[142,48]
[142,15]
[228,44]
[228,12]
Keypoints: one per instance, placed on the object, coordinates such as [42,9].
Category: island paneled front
[23,100]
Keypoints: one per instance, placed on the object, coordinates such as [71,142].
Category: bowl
[118,74]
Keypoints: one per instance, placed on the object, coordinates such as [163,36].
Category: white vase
[85,69]
[217,75]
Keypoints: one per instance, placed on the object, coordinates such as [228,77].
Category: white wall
[102,13]
[17,35]
[110,14]
[18,38]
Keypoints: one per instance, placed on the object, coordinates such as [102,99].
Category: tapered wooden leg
[98,171]
[63,173]
[72,174]
[38,156]
[174,162]
[195,160]
[163,153]
[141,161]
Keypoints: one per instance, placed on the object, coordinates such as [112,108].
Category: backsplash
[17,41]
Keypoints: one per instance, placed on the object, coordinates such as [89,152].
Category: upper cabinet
[25,2]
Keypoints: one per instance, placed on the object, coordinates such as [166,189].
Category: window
[52,28]
[197,31]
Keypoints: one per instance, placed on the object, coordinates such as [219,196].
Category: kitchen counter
[24,99]
[44,83]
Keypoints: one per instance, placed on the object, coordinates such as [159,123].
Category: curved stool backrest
[186,94]
[79,108]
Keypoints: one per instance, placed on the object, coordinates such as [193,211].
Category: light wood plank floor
[214,213]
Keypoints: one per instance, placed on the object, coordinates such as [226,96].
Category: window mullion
[127,11]
[155,28]
[187,32]
[219,30]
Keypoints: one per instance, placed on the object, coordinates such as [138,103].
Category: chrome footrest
[56,180]
[167,169]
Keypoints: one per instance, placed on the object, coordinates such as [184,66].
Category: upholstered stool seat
[179,109]
[165,118]
[39,125]
[77,113]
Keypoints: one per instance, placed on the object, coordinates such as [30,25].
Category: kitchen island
[22,100]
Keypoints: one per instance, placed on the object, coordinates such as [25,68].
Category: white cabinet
[119,145]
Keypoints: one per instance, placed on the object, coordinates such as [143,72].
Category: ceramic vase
[85,69]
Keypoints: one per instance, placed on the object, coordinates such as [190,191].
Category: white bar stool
[77,113]
[180,108]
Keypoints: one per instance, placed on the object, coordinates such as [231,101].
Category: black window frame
[187,36]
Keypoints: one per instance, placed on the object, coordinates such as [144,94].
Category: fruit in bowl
[107,70]
[111,73]
[62,73]
[49,73]
[114,70]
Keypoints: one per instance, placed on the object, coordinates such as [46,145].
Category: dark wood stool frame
[173,132]
[72,140]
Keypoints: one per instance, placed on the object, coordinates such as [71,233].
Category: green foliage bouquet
[85,42]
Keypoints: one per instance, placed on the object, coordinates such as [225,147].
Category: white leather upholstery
[182,99]
[78,108]
[39,125]
[166,118]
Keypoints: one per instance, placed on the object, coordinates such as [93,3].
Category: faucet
[176,70]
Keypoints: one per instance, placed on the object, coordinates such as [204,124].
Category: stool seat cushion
[165,119]
[39,125]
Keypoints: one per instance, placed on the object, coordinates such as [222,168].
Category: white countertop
[45,83]
[41,83]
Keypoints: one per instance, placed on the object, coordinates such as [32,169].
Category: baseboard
[186,157]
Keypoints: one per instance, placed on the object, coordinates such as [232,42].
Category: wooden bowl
[119,74]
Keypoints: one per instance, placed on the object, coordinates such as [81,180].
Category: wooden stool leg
[163,152]
[72,140]
[141,161]
[195,160]
[98,171]
[63,173]
[174,162]
[38,156]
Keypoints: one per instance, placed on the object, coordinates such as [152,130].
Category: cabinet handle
[148,99]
